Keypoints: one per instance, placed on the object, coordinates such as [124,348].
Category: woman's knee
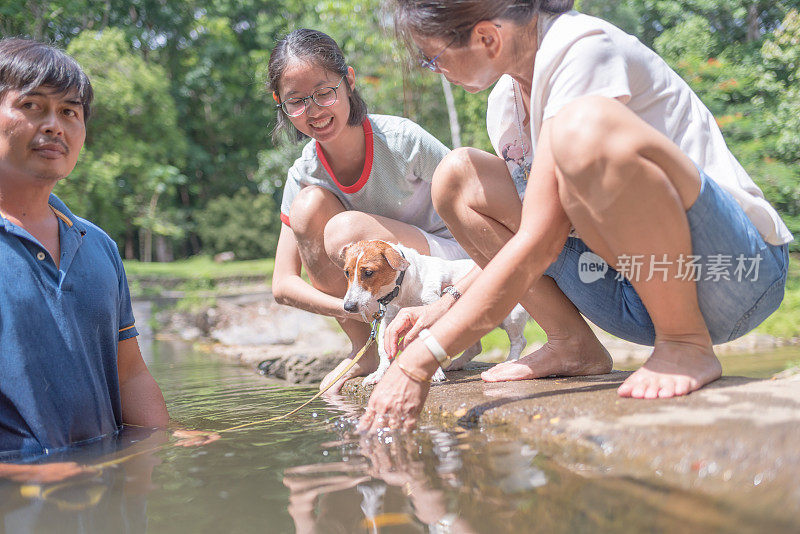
[345,228]
[460,180]
[454,175]
[587,135]
[311,210]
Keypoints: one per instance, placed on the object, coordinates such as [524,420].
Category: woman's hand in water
[194,438]
[398,398]
[409,322]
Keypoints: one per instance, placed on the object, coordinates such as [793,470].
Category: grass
[497,338]
[785,322]
[199,267]
[202,273]
[195,277]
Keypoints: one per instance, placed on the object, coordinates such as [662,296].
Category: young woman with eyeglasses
[635,213]
[359,177]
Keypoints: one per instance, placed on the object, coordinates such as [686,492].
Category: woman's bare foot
[563,357]
[675,368]
[366,365]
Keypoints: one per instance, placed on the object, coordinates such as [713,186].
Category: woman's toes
[652,390]
[682,387]
[667,389]
[625,389]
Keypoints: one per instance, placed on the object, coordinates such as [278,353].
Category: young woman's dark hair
[322,50]
[26,64]
[453,20]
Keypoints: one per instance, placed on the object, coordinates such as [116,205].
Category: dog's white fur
[425,276]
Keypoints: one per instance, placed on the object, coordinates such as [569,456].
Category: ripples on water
[312,473]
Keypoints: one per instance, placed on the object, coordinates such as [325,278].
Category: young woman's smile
[300,80]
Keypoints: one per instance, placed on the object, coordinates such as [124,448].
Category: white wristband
[435,348]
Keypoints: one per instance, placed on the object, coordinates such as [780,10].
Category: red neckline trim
[365,172]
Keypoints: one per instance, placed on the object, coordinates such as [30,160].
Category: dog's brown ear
[395,259]
[343,253]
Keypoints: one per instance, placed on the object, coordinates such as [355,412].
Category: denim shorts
[740,278]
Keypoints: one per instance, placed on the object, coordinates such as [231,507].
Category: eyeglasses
[323,97]
[426,63]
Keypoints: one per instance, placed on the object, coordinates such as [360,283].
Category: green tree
[134,150]
[246,224]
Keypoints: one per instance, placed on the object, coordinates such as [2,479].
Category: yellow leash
[39,491]
[371,339]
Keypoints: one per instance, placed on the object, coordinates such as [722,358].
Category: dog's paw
[373,378]
[438,376]
[458,364]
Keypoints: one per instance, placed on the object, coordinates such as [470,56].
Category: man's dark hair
[26,64]
[319,49]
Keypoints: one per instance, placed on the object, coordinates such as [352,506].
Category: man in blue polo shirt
[70,366]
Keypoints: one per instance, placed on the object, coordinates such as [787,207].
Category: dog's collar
[386,299]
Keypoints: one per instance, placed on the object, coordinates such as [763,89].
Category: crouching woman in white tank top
[635,213]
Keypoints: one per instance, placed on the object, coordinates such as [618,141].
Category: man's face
[41,134]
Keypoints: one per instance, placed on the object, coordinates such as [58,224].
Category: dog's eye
[368,273]
[347,273]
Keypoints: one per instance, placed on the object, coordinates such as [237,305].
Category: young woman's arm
[290,289]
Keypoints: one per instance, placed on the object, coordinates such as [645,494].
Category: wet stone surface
[736,438]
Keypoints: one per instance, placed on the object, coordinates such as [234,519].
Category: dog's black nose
[351,307]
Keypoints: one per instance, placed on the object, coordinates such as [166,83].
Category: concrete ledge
[738,437]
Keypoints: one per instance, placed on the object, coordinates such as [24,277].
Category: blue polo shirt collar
[61,211]
[71,233]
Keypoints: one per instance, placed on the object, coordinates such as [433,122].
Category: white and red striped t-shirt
[395,181]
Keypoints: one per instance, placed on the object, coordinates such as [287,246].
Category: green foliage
[245,223]
[182,122]
[784,322]
[782,57]
[691,40]
[134,150]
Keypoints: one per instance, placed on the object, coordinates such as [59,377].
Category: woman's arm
[398,399]
[289,288]
[543,230]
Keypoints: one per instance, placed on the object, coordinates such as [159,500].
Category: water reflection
[312,473]
[82,503]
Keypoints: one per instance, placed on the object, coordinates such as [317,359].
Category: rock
[222,257]
[303,369]
[737,435]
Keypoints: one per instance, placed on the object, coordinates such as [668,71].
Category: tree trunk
[129,253]
[753,23]
[455,129]
[163,249]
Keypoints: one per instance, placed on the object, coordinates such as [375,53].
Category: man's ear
[395,259]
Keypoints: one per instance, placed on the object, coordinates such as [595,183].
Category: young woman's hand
[409,322]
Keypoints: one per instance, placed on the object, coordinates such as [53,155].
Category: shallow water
[311,473]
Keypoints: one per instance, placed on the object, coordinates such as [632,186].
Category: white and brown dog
[397,276]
